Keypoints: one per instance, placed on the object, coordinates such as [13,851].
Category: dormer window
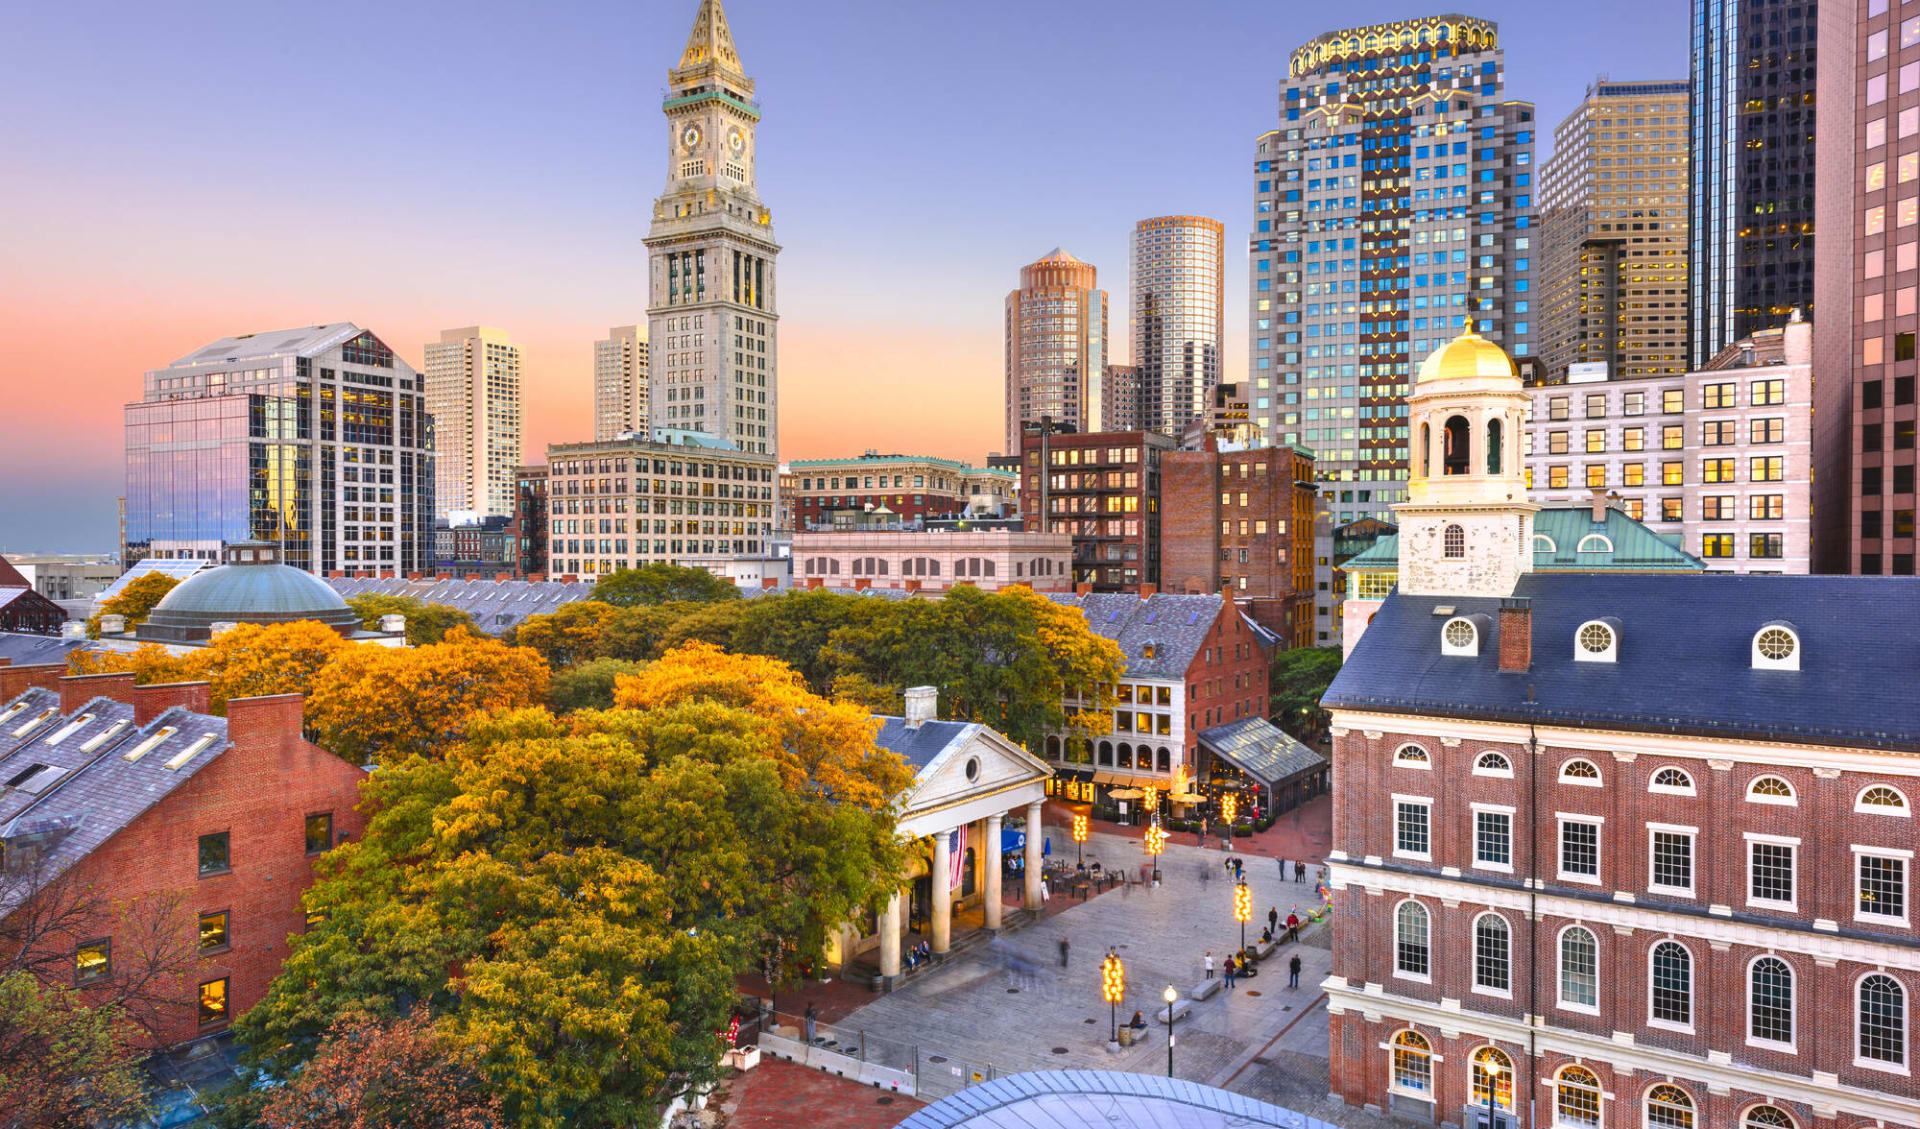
[1594,543]
[1146,649]
[1776,646]
[1597,641]
[1460,636]
[1544,544]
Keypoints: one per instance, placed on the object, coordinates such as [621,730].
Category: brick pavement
[1306,832]
[784,1095]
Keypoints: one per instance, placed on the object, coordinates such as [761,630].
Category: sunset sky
[176,173]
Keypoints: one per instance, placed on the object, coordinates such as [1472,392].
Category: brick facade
[1241,523]
[1103,488]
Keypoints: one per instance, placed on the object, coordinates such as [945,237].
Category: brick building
[917,560]
[1103,488]
[912,487]
[1241,523]
[476,545]
[529,527]
[140,810]
[1617,849]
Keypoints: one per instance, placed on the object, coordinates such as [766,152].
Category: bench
[1264,949]
[1180,1008]
[1205,989]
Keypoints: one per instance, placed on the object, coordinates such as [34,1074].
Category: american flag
[956,855]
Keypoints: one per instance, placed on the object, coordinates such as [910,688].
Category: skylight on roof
[36,778]
[12,711]
[1152,615]
[184,755]
[35,723]
[70,728]
[148,745]
[102,737]
[1113,615]
[1193,618]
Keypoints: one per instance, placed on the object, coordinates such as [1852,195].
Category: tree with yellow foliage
[244,661]
[384,704]
[134,601]
[574,897]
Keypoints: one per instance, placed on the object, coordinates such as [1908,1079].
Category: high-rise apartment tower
[1175,317]
[1056,342]
[620,383]
[473,390]
[1752,168]
[711,311]
[1393,208]
[1613,221]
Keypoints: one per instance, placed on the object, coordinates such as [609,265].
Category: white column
[939,870]
[890,937]
[1036,835]
[993,871]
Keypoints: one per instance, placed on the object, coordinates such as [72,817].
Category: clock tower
[711,313]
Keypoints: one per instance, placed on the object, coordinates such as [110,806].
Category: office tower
[1393,210]
[1869,175]
[316,439]
[1175,317]
[473,392]
[1056,332]
[711,312]
[1752,168]
[1613,231]
[620,382]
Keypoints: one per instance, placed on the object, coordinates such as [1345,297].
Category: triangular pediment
[996,764]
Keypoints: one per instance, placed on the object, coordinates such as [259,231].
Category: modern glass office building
[1393,210]
[316,439]
[1175,315]
[1751,204]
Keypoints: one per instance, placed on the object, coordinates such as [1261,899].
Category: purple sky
[189,171]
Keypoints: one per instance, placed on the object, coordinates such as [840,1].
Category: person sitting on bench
[1138,1022]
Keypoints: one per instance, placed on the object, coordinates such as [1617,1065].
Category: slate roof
[920,746]
[1261,749]
[29,650]
[1636,547]
[84,796]
[1685,658]
[495,605]
[1177,627]
[1101,1099]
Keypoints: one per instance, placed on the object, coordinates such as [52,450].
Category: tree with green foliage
[426,623]
[572,898]
[660,583]
[1296,681]
[135,601]
[65,1063]
[796,626]
[588,685]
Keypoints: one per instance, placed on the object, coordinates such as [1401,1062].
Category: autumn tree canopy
[574,897]
[244,661]
[134,601]
[426,623]
[661,583]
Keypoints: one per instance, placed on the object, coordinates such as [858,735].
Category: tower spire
[710,45]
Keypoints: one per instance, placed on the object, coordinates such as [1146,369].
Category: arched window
[1669,1107]
[1544,544]
[1413,756]
[1492,764]
[1576,1097]
[1770,1000]
[1596,641]
[1412,1063]
[1880,799]
[1053,748]
[1412,953]
[1776,647]
[1580,772]
[1579,968]
[987,563]
[1166,760]
[1492,1078]
[1766,1117]
[1106,753]
[1492,963]
[1672,782]
[1670,986]
[1594,543]
[1458,435]
[1770,790]
[1883,1020]
[1426,450]
[1493,446]
[1459,637]
[1453,543]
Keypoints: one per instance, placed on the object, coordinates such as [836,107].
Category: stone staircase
[1011,920]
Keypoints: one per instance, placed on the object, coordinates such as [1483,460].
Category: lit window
[1413,756]
[213,931]
[1881,800]
[1770,790]
[1412,1063]
[1576,1097]
[1669,1107]
[213,1002]
[1492,1078]
[92,961]
[1580,772]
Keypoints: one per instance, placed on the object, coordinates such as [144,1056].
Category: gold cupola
[1467,357]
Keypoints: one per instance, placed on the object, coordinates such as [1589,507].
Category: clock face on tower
[690,137]
[736,141]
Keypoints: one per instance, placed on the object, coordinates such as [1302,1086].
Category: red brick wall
[260,791]
[1227,679]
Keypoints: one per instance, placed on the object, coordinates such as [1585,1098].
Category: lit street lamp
[1156,840]
[1242,909]
[1170,996]
[1229,806]
[1079,837]
[1113,987]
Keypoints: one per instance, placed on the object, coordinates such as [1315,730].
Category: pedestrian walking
[1063,952]
[1273,919]
[812,1018]
[1293,926]
[1283,870]
[1293,971]
[1229,973]
[1299,872]
[1209,964]
[1238,867]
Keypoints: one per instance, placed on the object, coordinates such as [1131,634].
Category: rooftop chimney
[922,704]
[1599,503]
[1516,633]
[14,680]
[78,689]
[151,701]
[393,624]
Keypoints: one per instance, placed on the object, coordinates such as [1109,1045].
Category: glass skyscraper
[316,439]
[1393,211]
[1751,204]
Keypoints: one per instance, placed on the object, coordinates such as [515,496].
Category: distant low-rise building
[911,487]
[920,560]
[23,610]
[529,526]
[470,544]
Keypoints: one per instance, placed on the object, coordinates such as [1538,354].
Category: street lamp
[1113,987]
[1229,805]
[1079,837]
[1242,909]
[1156,840]
[1170,996]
